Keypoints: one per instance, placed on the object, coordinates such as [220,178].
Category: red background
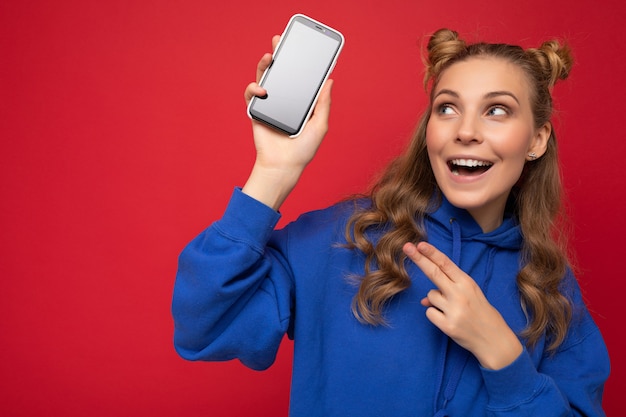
[123,131]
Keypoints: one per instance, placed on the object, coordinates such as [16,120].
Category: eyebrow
[491,94]
[501,93]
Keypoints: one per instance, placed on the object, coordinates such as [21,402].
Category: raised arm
[233,292]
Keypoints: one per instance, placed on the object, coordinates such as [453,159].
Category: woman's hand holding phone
[280,160]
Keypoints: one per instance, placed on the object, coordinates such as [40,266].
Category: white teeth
[470,163]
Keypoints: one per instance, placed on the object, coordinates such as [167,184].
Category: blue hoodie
[241,286]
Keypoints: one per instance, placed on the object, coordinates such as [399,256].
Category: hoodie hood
[506,236]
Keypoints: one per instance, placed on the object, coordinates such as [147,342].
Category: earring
[532,156]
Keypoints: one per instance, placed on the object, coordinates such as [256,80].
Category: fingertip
[265,61]
[254,90]
[275,40]
[409,249]
[423,247]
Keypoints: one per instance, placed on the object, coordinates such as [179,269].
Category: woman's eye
[497,111]
[446,109]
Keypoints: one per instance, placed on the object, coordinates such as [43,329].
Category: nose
[469,129]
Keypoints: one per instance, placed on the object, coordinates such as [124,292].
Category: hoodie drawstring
[456,356]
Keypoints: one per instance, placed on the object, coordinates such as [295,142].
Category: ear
[539,143]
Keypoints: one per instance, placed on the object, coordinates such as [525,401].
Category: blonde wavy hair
[407,190]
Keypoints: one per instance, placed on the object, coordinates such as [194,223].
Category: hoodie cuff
[514,384]
[248,220]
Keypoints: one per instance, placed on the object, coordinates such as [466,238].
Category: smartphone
[302,61]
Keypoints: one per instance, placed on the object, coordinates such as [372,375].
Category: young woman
[444,291]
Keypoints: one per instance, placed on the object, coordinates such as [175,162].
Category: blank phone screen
[300,65]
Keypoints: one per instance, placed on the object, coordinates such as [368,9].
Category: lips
[468,167]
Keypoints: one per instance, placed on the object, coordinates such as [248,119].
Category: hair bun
[443,45]
[555,59]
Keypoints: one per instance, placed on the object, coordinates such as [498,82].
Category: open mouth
[468,167]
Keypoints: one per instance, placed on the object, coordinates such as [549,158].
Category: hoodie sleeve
[232,295]
[569,382]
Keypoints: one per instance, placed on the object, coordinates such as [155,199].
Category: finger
[275,40]
[436,317]
[435,298]
[428,267]
[265,62]
[252,90]
[449,268]
[321,112]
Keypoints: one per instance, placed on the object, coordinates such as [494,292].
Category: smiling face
[480,133]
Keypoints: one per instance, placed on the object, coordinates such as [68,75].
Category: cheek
[515,156]
[514,153]
[431,148]
[512,144]
[433,142]
[434,146]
